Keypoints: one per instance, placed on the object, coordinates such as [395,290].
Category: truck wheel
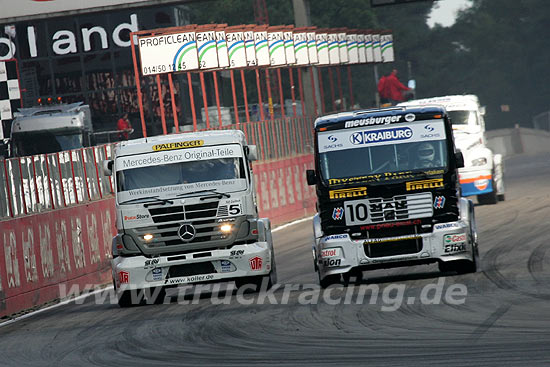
[130,298]
[155,295]
[346,277]
[255,283]
[489,198]
[329,280]
[466,266]
[501,197]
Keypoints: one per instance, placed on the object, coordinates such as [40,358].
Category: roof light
[323,129]
[437,116]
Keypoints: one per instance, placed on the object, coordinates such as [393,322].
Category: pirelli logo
[178,145]
[348,193]
[424,184]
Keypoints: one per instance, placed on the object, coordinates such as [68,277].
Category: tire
[489,198]
[329,280]
[155,295]
[501,197]
[254,284]
[346,277]
[125,299]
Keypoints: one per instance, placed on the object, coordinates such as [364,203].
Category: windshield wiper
[149,200]
[212,191]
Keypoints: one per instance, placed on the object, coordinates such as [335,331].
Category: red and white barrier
[38,252]
[72,245]
[283,193]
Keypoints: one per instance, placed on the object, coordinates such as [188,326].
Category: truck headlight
[148,237]
[226,228]
[479,162]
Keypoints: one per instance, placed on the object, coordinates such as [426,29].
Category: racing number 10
[356,213]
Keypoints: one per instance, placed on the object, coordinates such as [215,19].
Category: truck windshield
[374,151]
[461,117]
[162,173]
[43,142]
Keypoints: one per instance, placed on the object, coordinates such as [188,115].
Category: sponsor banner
[276,44]
[321,40]
[333,49]
[300,48]
[361,48]
[178,145]
[221,47]
[175,156]
[262,48]
[249,48]
[343,46]
[386,47]
[290,51]
[454,238]
[168,53]
[38,252]
[312,48]
[362,137]
[376,49]
[353,50]
[369,52]
[206,46]
[236,49]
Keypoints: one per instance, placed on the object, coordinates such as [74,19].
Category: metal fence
[542,121]
[45,182]
[39,183]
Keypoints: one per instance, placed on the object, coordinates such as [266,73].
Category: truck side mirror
[459,159]
[482,110]
[252,153]
[310,176]
[108,167]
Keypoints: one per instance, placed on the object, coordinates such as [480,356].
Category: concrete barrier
[519,140]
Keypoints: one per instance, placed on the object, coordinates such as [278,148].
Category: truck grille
[393,248]
[185,212]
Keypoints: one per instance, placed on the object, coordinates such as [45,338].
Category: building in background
[85,54]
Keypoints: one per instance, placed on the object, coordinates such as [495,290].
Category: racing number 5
[234,209]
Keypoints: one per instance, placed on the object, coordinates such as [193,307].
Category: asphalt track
[504,320]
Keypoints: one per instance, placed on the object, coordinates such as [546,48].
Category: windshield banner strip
[192,154]
[397,134]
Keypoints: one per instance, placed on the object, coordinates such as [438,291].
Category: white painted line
[291,224]
[63,303]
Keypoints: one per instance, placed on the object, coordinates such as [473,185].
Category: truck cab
[50,129]
[186,214]
[482,175]
[388,194]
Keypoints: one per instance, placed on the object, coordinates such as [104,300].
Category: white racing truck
[186,214]
[388,194]
[482,174]
[50,129]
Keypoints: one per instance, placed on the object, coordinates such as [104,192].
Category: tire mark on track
[489,322]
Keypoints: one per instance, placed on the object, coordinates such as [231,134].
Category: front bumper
[338,254]
[474,181]
[139,272]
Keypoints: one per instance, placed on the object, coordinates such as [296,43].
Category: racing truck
[50,129]
[482,175]
[186,213]
[388,194]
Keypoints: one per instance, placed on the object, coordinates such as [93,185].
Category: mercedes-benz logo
[187,232]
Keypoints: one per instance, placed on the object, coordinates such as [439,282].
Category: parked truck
[388,194]
[482,175]
[50,129]
[186,214]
